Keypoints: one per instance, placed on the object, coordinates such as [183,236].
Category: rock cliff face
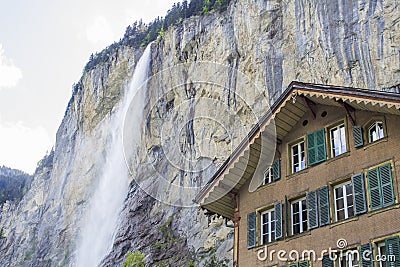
[236,60]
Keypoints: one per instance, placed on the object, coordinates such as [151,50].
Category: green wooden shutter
[316,148]
[366,255]
[385,175]
[251,230]
[294,264]
[360,203]
[276,170]
[321,146]
[278,220]
[374,188]
[311,149]
[287,211]
[327,261]
[323,206]
[312,212]
[358,136]
[304,263]
[392,249]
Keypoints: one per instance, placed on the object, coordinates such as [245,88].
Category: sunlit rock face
[216,71]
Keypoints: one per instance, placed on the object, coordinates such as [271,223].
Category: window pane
[338,140]
[339,192]
[296,229]
[382,254]
[295,150]
[351,211]
[304,205]
[295,208]
[340,215]
[342,139]
[296,218]
[267,176]
[303,156]
[375,131]
[350,200]
[379,129]
[340,204]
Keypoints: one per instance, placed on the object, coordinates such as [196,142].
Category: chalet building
[330,195]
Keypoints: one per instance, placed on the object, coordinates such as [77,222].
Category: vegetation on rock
[140,34]
[134,259]
[13,184]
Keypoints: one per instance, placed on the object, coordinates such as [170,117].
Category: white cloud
[100,31]
[9,73]
[22,147]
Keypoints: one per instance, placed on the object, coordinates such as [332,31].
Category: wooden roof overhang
[259,145]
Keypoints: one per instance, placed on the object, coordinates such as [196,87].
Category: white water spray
[101,218]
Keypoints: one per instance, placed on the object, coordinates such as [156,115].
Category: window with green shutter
[360,203]
[385,175]
[273,172]
[304,264]
[300,264]
[278,220]
[312,211]
[316,147]
[380,187]
[392,250]
[251,230]
[327,261]
[366,255]
[358,136]
[323,206]
[276,170]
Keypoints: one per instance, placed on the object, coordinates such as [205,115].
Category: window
[251,229]
[316,147]
[267,226]
[343,195]
[375,131]
[299,216]
[273,172]
[388,252]
[381,254]
[348,258]
[298,157]
[380,187]
[338,140]
[267,176]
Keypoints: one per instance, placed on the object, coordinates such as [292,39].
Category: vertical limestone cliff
[262,45]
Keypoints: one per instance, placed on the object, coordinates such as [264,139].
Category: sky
[44,46]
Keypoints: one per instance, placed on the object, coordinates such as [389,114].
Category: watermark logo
[333,254]
[341,243]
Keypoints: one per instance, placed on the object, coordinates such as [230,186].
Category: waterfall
[101,218]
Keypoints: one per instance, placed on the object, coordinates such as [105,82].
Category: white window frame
[267,176]
[345,204]
[338,139]
[271,221]
[302,164]
[292,203]
[380,135]
[381,262]
[348,255]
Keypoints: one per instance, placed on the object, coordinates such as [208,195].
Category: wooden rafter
[310,106]
[349,109]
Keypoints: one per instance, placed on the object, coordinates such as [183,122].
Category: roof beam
[310,105]
[348,109]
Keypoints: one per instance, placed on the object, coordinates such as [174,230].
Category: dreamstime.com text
[264,254]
